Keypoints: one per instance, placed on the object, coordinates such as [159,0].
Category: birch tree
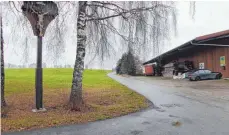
[3,102]
[95,25]
[76,92]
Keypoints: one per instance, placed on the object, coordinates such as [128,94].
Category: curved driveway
[196,115]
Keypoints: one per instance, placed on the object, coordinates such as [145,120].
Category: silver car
[203,74]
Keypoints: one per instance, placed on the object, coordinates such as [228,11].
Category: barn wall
[210,56]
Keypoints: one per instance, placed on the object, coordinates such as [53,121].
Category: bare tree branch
[122,13]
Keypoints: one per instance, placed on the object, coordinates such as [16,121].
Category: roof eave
[168,52]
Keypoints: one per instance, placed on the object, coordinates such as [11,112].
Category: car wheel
[218,76]
[197,78]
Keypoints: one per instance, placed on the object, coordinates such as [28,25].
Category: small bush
[128,64]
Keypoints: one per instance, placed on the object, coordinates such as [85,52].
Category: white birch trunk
[76,100]
[3,102]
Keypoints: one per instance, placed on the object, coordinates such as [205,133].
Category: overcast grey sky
[210,17]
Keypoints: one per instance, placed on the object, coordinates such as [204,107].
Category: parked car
[203,74]
[187,74]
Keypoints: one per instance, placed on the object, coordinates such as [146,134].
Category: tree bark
[76,99]
[3,102]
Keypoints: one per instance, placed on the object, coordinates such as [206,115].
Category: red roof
[217,34]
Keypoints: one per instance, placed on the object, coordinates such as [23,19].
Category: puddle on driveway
[171,105]
[146,123]
[160,110]
[173,116]
[136,132]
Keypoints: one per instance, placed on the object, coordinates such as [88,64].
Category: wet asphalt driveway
[195,115]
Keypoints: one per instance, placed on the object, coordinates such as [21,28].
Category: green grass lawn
[53,79]
[104,98]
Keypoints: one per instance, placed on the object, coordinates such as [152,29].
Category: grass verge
[104,98]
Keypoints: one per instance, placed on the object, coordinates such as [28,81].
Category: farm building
[204,52]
